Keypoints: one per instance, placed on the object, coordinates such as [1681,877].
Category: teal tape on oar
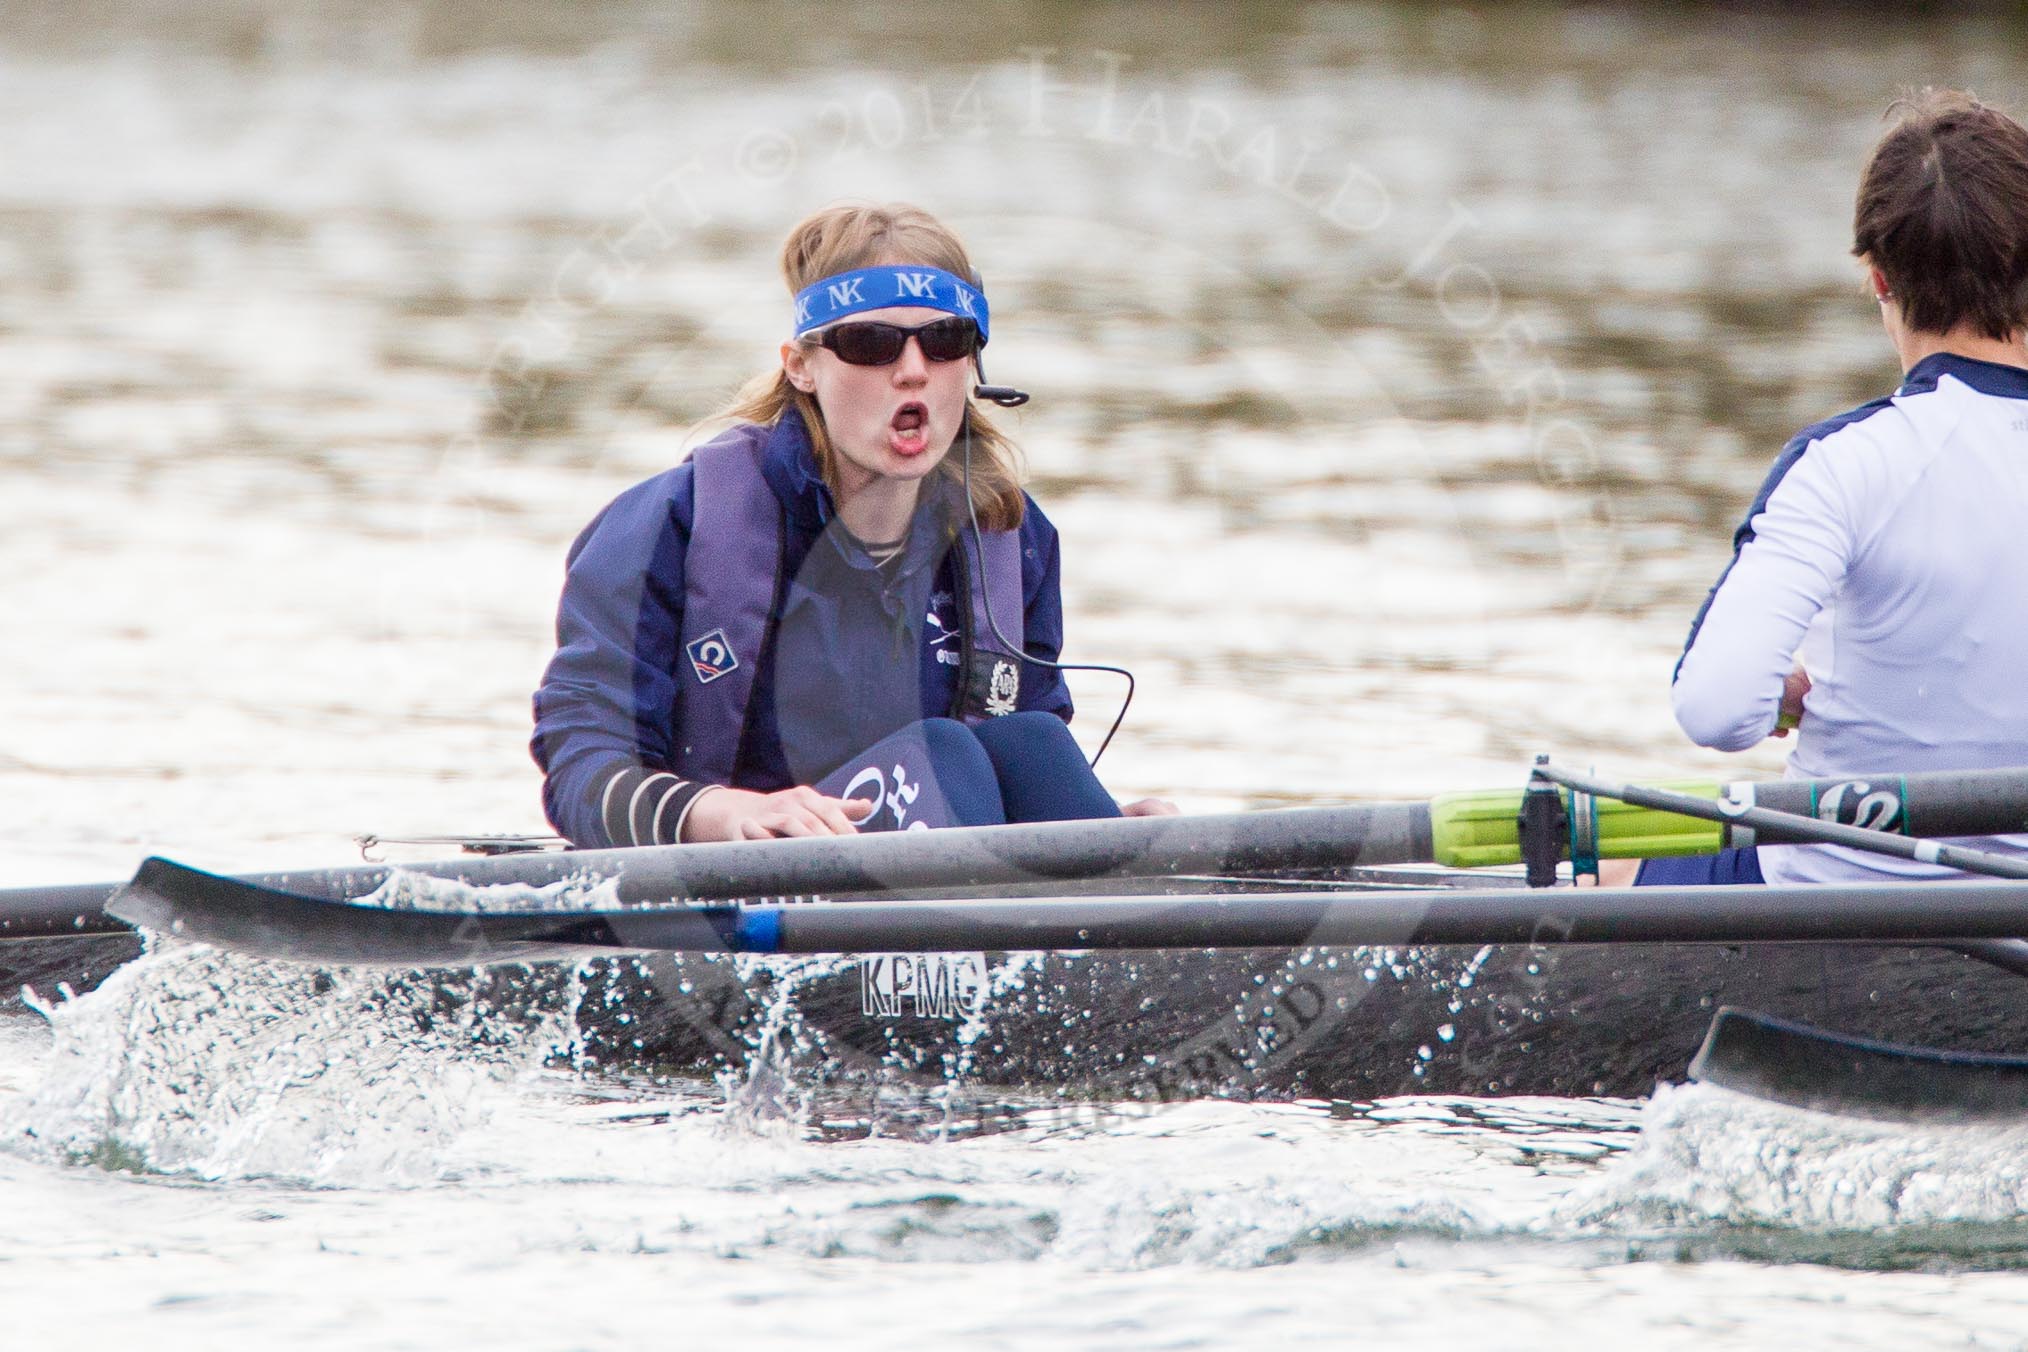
[1583,814]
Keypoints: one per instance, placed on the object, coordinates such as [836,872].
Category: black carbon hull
[1320,1023]
[1573,1020]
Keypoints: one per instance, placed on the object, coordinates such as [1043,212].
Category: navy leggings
[1016,768]
[1701,870]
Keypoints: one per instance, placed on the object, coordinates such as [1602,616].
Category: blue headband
[862,289]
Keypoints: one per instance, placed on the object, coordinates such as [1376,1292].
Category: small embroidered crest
[711,656]
[1005,689]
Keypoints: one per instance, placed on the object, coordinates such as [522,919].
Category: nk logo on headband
[711,656]
[830,299]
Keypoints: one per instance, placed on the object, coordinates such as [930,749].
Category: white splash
[406,890]
[1707,1154]
[198,1062]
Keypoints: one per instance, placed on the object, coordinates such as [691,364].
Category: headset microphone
[1006,396]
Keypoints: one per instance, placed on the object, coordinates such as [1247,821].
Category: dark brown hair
[1943,213]
[858,235]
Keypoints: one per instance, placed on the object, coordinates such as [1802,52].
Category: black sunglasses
[870,343]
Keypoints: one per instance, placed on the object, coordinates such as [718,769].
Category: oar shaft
[1469,829]
[1930,804]
[1475,829]
[64,911]
[1914,913]
[982,856]
[1137,847]
[1151,847]
[206,908]
[1786,828]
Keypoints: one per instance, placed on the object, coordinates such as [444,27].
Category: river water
[1399,371]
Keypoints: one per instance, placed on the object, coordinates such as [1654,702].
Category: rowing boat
[1320,1023]
[1325,1022]
[1409,1009]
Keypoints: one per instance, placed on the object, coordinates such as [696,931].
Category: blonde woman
[827,619]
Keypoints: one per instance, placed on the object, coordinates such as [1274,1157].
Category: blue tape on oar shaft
[758,931]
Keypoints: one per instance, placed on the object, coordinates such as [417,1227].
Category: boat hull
[1323,1023]
[1345,1024]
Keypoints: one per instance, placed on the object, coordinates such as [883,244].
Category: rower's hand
[1150,807]
[1794,687]
[741,814]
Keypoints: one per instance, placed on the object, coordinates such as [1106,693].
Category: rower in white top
[1877,593]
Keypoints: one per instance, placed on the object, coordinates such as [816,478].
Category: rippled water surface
[1399,371]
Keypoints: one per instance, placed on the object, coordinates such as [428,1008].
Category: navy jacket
[858,652]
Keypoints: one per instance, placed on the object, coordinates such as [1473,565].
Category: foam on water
[1094,1186]
[1715,1164]
[194,1061]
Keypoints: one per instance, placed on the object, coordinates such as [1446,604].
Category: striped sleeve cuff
[639,806]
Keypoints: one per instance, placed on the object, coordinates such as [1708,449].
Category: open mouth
[908,430]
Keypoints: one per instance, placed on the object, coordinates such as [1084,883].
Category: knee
[950,744]
[1031,735]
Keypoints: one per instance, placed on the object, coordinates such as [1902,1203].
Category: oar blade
[1804,1067]
[170,898]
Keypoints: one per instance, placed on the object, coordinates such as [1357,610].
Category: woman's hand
[1794,687]
[741,814]
[1150,807]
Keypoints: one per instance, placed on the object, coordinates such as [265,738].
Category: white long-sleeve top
[1888,554]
